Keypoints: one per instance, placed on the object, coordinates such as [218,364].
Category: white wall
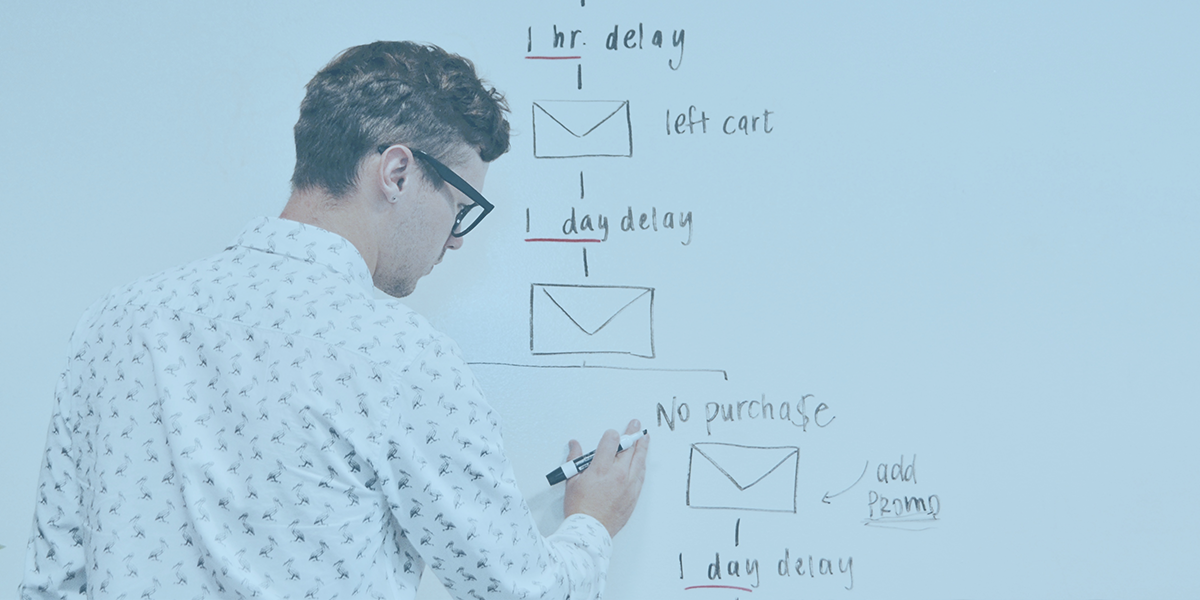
[971,233]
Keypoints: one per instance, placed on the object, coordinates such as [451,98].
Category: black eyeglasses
[470,215]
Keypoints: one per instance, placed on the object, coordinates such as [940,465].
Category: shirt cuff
[586,537]
[592,527]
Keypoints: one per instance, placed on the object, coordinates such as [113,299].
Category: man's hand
[609,488]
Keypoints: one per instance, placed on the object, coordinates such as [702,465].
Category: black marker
[572,468]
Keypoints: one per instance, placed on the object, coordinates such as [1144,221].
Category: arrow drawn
[828,495]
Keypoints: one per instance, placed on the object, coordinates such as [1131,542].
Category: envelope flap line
[581,124]
[595,329]
[733,479]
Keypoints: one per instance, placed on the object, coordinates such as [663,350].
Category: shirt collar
[310,244]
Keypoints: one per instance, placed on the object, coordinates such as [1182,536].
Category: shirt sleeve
[586,545]
[56,559]
[55,564]
[453,494]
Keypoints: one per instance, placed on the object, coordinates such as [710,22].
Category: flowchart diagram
[578,323]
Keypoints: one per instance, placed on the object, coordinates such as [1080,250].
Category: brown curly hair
[389,93]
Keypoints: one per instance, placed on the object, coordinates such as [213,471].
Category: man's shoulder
[151,292]
[292,298]
[279,295]
[379,330]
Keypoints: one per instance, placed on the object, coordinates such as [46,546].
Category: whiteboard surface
[957,241]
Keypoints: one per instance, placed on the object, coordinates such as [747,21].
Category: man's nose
[454,243]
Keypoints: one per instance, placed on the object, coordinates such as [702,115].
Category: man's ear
[395,168]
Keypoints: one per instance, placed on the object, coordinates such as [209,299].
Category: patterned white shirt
[257,424]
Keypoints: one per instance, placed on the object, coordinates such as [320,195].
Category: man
[257,424]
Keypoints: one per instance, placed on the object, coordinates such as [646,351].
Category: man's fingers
[631,456]
[625,457]
[606,451]
[634,427]
[638,460]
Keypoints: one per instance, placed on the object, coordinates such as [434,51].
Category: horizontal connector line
[568,240]
[717,587]
[724,375]
[553,57]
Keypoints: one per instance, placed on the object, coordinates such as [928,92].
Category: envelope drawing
[571,128]
[587,319]
[743,477]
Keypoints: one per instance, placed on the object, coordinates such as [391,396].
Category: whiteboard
[904,292]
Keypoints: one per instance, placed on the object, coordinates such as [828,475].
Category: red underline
[553,57]
[722,587]
[574,240]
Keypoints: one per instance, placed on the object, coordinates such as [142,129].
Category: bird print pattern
[258,425]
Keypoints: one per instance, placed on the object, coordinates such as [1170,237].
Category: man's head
[387,93]
[372,126]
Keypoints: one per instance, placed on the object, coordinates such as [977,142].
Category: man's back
[257,423]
